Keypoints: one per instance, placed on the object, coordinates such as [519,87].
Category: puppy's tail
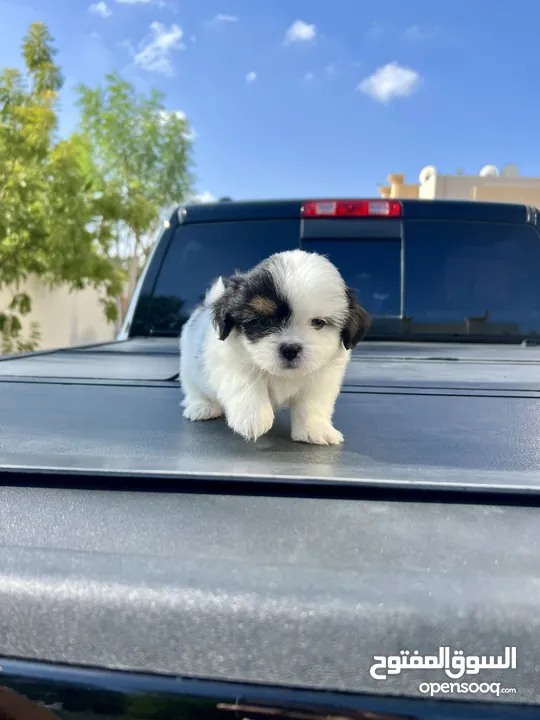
[215,292]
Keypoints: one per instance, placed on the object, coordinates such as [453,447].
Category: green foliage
[82,210]
[52,199]
[12,339]
[141,149]
[142,154]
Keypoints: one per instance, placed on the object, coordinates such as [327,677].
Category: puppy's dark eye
[264,321]
[318,323]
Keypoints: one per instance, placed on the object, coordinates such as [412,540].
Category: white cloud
[100,8]
[390,81]
[220,18]
[154,54]
[414,33]
[308,76]
[203,197]
[251,77]
[300,31]
[159,3]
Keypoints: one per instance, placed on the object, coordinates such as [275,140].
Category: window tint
[484,271]
[199,253]
[461,278]
[371,268]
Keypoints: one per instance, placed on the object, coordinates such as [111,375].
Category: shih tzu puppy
[277,336]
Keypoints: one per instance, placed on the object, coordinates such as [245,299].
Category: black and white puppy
[279,335]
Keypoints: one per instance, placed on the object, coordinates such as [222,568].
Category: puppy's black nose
[289,351]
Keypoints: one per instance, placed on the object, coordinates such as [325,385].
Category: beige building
[65,318]
[489,185]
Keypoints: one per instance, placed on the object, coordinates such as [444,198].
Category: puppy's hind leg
[197,406]
[197,402]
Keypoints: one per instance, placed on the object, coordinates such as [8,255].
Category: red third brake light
[351,208]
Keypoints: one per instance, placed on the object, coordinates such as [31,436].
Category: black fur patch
[357,324]
[252,305]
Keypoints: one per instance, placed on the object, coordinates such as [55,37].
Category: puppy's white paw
[251,423]
[202,411]
[318,433]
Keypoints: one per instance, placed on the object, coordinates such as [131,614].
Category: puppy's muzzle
[290,351]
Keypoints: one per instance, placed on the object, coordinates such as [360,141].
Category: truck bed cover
[300,588]
[283,591]
[414,415]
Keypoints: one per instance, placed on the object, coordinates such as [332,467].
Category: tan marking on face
[263,305]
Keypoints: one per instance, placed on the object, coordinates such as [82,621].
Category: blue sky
[299,98]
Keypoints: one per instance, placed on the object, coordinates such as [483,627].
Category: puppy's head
[292,312]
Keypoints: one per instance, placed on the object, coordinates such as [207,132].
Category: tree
[51,200]
[143,154]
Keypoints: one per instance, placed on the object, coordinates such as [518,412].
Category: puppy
[277,336]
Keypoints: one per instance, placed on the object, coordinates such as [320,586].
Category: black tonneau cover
[298,589]
[284,591]
[439,416]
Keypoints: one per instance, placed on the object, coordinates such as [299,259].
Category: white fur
[247,382]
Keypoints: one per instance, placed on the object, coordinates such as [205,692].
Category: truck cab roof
[410,208]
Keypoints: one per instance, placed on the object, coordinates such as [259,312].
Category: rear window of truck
[442,276]
[198,254]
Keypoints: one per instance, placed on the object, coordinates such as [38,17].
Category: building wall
[65,318]
[466,187]
[527,195]
[399,188]
[453,187]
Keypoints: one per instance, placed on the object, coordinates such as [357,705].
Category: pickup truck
[155,568]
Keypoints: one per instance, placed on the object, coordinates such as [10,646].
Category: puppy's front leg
[247,406]
[312,409]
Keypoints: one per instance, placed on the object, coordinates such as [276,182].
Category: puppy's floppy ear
[223,307]
[357,323]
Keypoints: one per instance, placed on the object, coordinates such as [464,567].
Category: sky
[311,98]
